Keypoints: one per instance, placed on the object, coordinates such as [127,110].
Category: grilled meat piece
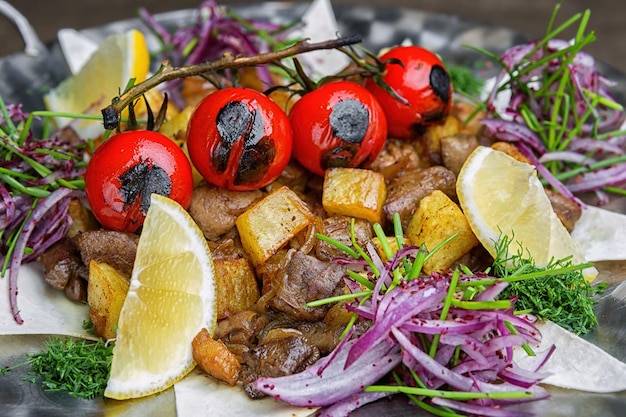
[567,210]
[305,278]
[397,156]
[407,190]
[322,336]
[338,228]
[286,354]
[215,210]
[455,150]
[241,328]
[117,249]
[76,289]
[62,263]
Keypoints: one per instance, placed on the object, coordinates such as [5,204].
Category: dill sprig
[81,368]
[557,292]
[465,81]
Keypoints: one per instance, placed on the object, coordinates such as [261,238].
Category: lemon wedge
[170,299]
[119,58]
[501,196]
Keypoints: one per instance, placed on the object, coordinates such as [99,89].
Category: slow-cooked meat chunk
[338,228]
[215,210]
[117,249]
[305,278]
[407,190]
[61,263]
[455,150]
[321,335]
[566,209]
[76,289]
[397,156]
[241,328]
[277,357]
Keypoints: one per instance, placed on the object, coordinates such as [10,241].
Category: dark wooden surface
[527,16]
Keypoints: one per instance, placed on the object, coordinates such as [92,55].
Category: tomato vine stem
[167,72]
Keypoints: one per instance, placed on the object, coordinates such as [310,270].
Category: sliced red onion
[566,156]
[404,303]
[344,407]
[479,410]
[336,383]
[514,132]
[429,326]
[45,205]
[215,33]
[404,322]
[585,79]
[590,181]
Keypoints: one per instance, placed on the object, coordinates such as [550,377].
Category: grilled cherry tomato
[239,139]
[419,77]
[126,169]
[339,124]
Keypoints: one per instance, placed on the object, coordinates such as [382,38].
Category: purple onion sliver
[16,260]
[344,407]
[479,410]
[591,181]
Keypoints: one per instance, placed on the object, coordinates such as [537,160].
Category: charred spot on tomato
[255,161]
[235,122]
[349,120]
[418,130]
[141,180]
[440,82]
[339,157]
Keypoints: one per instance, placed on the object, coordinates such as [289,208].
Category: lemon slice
[501,196]
[170,299]
[119,58]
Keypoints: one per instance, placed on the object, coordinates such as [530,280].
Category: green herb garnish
[557,292]
[80,368]
[465,81]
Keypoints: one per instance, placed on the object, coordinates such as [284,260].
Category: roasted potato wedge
[106,292]
[215,359]
[236,286]
[436,219]
[268,225]
[354,192]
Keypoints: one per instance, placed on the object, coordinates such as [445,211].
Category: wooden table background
[526,16]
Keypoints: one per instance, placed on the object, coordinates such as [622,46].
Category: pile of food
[325,242]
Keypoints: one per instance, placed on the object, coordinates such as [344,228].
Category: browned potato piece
[236,286]
[511,150]
[436,219]
[430,142]
[215,359]
[393,245]
[106,292]
[265,227]
[354,192]
[82,219]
